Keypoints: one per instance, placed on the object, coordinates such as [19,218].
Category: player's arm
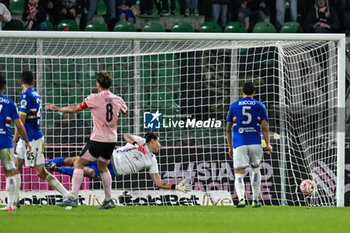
[162,185]
[22,131]
[131,139]
[23,118]
[66,109]
[123,108]
[265,132]
[229,138]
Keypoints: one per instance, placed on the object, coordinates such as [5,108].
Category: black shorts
[97,149]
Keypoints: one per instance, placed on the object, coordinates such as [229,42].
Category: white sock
[11,190]
[54,183]
[18,186]
[239,185]
[255,180]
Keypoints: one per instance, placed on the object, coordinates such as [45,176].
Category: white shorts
[36,156]
[247,155]
[7,159]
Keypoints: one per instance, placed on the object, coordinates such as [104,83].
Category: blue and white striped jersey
[8,113]
[30,106]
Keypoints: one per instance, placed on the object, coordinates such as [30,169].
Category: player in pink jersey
[105,107]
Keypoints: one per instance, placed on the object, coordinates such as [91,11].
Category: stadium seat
[68,25]
[182,26]
[237,27]
[125,26]
[14,24]
[264,27]
[96,26]
[153,26]
[16,7]
[291,27]
[210,27]
[101,8]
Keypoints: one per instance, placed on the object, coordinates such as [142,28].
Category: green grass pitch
[191,219]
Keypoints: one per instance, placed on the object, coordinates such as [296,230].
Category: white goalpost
[190,79]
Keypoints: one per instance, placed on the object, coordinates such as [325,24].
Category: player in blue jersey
[245,117]
[8,113]
[30,113]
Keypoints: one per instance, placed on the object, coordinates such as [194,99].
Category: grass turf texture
[192,219]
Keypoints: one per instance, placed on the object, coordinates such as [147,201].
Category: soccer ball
[307,186]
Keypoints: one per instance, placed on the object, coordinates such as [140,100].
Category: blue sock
[65,170]
[57,161]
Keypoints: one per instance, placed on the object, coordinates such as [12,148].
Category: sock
[107,185]
[255,180]
[77,180]
[54,183]
[11,190]
[239,185]
[65,170]
[57,161]
[18,186]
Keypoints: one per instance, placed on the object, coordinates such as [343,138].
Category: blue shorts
[93,166]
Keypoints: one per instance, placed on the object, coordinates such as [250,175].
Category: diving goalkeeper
[135,156]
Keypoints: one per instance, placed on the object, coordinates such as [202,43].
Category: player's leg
[88,171]
[111,170]
[59,162]
[52,180]
[77,180]
[65,170]
[36,159]
[106,150]
[240,187]
[241,161]
[255,155]
[84,157]
[11,190]
[78,175]
[19,165]
[91,172]
[255,181]
[12,177]
[20,155]
[106,178]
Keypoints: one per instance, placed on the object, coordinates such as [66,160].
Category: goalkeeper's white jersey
[128,159]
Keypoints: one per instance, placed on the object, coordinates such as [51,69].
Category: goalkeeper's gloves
[138,146]
[183,187]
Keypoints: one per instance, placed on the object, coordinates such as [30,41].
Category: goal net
[191,82]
